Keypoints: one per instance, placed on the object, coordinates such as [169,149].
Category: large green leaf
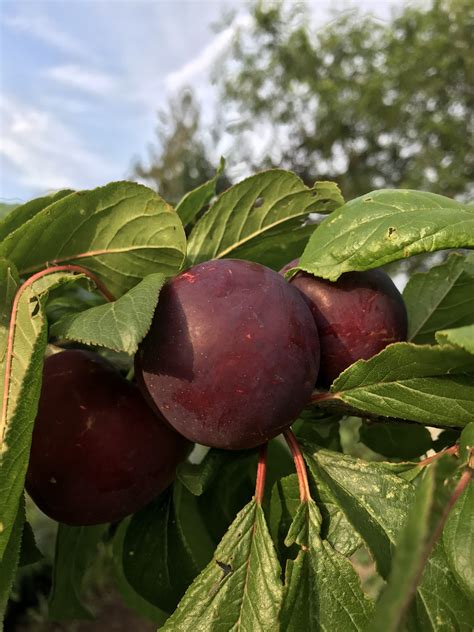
[8,287]
[240,589]
[460,337]
[458,540]
[23,382]
[433,385]
[396,440]
[23,213]
[441,298]
[120,325]
[385,226]
[414,545]
[122,232]
[190,205]
[197,477]
[166,536]
[10,560]
[322,590]
[267,203]
[75,550]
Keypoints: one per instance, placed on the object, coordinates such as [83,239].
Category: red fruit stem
[317,396]
[454,450]
[11,330]
[261,474]
[300,466]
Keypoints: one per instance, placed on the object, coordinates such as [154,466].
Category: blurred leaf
[322,590]
[190,205]
[241,587]
[197,477]
[430,384]
[29,552]
[9,562]
[396,440]
[385,226]
[121,232]
[441,298]
[262,204]
[132,599]
[75,549]
[120,325]
[446,439]
[23,382]
[458,541]
[166,536]
[466,443]
[460,337]
[8,286]
[65,302]
[27,211]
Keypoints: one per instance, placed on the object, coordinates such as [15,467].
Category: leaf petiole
[305,494]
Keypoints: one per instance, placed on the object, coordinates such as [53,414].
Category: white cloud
[34,145]
[82,78]
[42,28]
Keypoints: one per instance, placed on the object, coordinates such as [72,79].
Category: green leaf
[29,553]
[120,325]
[441,298]
[165,536]
[385,226]
[241,587]
[414,545]
[75,550]
[396,440]
[466,443]
[9,562]
[322,590]
[458,541]
[197,477]
[191,203]
[64,302]
[267,203]
[460,337]
[430,384]
[8,287]
[132,599]
[23,383]
[23,213]
[121,232]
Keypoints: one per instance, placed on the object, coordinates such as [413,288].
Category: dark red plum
[357,316]
[98,453]
[232,354]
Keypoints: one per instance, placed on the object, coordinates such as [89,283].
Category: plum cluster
[231,358]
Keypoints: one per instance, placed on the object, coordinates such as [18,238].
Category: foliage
[206,554]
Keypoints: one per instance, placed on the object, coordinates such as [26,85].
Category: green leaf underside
[240,589]
[22,214]
[377,501]
[9,562]
[396,440]
[130,596]
[442,298]
[121,232]
[458,540]
[385,226]
[430,384]
[29,344]
[250,209]
[75,549]
[322,590]
[166,536]
[197,477]
[120,325]
[8,287]
[190,205]
[460,337]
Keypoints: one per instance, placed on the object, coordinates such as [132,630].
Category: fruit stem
[261,474]
[11,329]
[305,494]
[317,396]
[454,450]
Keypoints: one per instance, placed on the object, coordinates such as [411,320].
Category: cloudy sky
[81,81]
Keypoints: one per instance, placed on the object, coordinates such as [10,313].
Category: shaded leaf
[460,337]
[29,552]
[75,549]
[396,440]
[120,325]
[191,203]
[10,560]
[458,540]
[385,226]
[240,588]
[121,232]
[23,384]
[8,286]
[197,477]
[441,298]
[260,205]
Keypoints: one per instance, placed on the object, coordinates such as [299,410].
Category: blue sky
[81,81]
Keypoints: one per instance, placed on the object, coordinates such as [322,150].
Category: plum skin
[98,451]
[357,316]
[232,355]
